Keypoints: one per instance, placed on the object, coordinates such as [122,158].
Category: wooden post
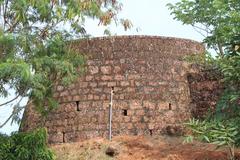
[110,114]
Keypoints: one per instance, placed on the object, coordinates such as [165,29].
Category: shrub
[221,133]
[25,146]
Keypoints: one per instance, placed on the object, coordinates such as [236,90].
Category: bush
[221,133]
[25,146]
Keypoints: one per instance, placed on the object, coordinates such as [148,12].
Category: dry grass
[139,148]
[90,150]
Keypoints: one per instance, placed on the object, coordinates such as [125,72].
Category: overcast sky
[149,17]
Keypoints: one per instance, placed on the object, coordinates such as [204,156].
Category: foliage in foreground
[34,54]
[217,132]
[25,146]
[218,21]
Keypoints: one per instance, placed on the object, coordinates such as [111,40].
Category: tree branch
[10,100]
[7,120]
[198,31]
[16,111]
[4,14]
[220,49]
[200,28]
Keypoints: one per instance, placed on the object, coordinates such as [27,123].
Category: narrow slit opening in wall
[150,132]
[63,137]
[170,106]
[125,113]
[77,103]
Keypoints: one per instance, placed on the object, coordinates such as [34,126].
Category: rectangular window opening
[77,103]
[170,106]
[150,132]
[125,113]
[63,137]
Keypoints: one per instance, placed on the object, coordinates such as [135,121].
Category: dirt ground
[140,148]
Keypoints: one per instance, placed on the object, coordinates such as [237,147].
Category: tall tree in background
[33,54]
[217,20]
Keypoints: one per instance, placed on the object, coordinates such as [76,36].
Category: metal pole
[110,114]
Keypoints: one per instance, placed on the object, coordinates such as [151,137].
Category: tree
[220,20]
[22,146]
[33,52]
[217,20]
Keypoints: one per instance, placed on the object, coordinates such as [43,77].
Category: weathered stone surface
[93,69]
[106,69]
[205,90]
[151,89]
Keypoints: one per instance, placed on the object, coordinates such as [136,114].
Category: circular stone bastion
[148,77]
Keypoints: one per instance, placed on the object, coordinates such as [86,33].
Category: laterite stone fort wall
[206,88]
[150,81]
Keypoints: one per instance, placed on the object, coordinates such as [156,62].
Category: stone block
[111,84]
[140,125]
[97,104]
[90,96]
[55,137]
[106,69]
[151,125]
[119,77]
[97,90]
[134,76]
[89,78]
[106,78]
[148,90]
[135,119]
[69,98]
[138,83]
[120,105]
[91,62]
[102,84]
[146,119]
[115,125]
[69,137]
[140,112]
[83,84]
[96,97]
[109,62]
[93,69]
[130,112]
[163,106]
[124,83]
[106,105]
[129,89]
[126,119]
[64,93]
[129,126]
[93,84]
[103,97]
[73,92]
[117,69]
[135,104]
[77,98]
[85,105]
[149,105]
